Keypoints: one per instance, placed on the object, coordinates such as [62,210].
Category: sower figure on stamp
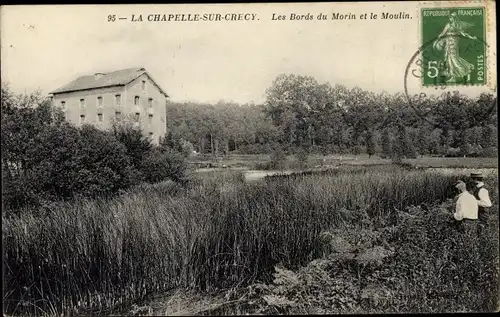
[482,196]
[466,210]
[456,66]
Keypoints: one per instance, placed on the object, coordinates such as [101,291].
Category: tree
[403,148]
[24,117]
[290,102]
[301,112]
[463,142]
[434,145]
[487,136]
[170,142]
[446,139]
[387,144]
[363,111]
[60,161]
[357,146]
[421,137]
[137,145]
[371,143]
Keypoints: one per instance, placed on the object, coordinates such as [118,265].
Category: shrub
[64,162]
[177,144]
[302,156]
[159,165]
[136,144]
[278,157]
[453,152]
[489,152]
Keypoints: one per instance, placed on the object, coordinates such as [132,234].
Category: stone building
[102,98]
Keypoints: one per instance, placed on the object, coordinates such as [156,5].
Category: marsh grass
[217,232]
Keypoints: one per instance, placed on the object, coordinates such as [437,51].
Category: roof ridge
[120,77]
[119,70]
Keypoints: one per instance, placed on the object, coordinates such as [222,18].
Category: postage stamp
[453,46]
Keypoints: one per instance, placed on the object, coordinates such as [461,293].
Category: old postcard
[270,158]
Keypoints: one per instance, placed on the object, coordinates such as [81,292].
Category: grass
[218,233]
[260,161]
[418,263]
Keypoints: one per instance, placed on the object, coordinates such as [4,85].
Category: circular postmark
[429,76]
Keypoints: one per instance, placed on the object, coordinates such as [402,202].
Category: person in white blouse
[466,210]
[466,207]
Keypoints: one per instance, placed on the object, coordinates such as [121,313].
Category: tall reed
[219,232]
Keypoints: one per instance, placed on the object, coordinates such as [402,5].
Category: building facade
[100,99]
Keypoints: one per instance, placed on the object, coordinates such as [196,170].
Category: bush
[177,144]
[136,144]
[64,162]
[453,152]
[278,157]
[302,156]
[187,148]
[159,165]
[489,152]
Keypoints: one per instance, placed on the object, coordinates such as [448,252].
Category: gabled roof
[116,78]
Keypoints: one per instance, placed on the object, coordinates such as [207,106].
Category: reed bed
[217,232]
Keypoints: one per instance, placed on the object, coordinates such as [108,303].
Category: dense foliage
[300,112]
[45,159]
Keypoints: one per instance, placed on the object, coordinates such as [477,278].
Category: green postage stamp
[453,46]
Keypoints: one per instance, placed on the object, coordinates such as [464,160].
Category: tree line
[299,113]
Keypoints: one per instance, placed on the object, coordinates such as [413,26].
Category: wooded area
[301,113]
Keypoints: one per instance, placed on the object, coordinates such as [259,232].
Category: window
[118,115]
[150,102]
[99,117]
[143,85]
[118,99]
[150,117]
[82,103]
[63,105]
[136,100]
[99,101]
[137,116]
[82,118]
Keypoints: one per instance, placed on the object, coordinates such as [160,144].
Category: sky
[45,47]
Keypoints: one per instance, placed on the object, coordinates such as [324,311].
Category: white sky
[45,47]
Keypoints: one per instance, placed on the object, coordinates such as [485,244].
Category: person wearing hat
[482,196]
[466,209]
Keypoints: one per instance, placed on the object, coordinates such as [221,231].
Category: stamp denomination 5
[453,47]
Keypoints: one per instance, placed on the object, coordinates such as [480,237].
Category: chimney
[98,75]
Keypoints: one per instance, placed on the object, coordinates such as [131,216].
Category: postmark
[417,98]
[425,87]
[453,49]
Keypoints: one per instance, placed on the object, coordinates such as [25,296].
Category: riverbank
[257,161]
[219,233]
